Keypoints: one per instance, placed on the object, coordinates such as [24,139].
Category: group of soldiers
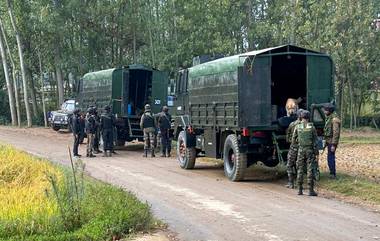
[152,125]
[96,126]
[303,152]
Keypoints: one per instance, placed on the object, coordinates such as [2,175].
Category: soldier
[331,134]
[90,131]
[107,123]
[305,135]
[76,131]
[164,123]
[293,151]
[148,125]
[97,132]
[82,125]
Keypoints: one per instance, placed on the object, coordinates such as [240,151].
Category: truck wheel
[56,128]
[235,162]
[185,155]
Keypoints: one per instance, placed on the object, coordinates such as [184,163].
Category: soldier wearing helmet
[90,131]
[305,135]
[293,150]
[148,125]
[164,124]
[331,134]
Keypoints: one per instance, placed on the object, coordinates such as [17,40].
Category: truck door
[320,85]
[254,88]
[159,90]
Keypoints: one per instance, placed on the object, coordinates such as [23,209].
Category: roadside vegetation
[41,201]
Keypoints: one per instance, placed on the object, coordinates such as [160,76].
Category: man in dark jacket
[82,126]
[90,131]
[107,123]
[164,123]
[76,131]
[97,131]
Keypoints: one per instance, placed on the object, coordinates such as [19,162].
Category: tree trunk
[15,84]
[32,92]
[58,74]
[351,103]
[42,89]
[8,81]
[21,56]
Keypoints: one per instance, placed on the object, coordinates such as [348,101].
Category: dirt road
[202,205]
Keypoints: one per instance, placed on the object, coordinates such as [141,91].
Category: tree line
[60,40]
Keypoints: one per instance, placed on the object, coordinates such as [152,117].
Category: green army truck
[126,89]
[233,108]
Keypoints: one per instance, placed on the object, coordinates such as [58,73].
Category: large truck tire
[185,155]
[235,162]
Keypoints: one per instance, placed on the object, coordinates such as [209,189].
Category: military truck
[60,119]
[126,89]
[233,108]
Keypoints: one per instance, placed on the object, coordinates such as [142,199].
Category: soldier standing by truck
[97,131]
[90,131]
[148,125]
[164,123]
[107,123]
[293,151]
[331,136]
[76,131]
[305,135]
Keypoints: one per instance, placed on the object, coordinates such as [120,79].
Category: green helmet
[305,114]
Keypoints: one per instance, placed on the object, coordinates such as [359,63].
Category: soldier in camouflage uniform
[293,151]
[305,135]
[331,136]
[148,125]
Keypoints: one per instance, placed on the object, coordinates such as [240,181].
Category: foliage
[46,202]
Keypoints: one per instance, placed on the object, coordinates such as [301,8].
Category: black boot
[290,181]
[300,190]
[311,191]
[168,154]
[145,153]
[152,153]
[163,154]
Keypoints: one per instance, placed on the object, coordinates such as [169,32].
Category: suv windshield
[68,106]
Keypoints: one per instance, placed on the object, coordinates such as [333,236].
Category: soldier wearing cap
[331,134]
[76,131]
[148,125]
[293,151]
[164,123]
[107,123]
[305,135]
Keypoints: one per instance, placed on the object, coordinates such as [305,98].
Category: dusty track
[202,205]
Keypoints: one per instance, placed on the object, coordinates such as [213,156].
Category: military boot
[290,181]
[105,153]
[109,153]
[300,190]
[145,153]
[168,154]
[163,154]
[152,153]
[311,191]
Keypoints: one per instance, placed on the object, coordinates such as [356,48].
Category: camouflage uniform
[331,135]
[292,154]
[148,125]
[305,135]
[90,131]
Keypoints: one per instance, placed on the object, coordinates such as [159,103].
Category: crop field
[41,201]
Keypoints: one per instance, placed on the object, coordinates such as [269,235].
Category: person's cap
[165,108]
[305,114]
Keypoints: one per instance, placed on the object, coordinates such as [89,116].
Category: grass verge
[355,187]
[42,201]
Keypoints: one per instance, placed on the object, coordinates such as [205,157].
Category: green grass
[360,139]
[87,209]
[360,188]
